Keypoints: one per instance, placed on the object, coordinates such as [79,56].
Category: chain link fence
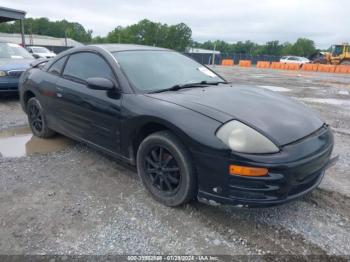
[207,58]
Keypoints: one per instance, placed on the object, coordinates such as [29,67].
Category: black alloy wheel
[163,170]
[37,120]
[166,169]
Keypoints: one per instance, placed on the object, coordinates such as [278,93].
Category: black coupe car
[189,132]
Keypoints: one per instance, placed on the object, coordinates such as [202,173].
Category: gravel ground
[80,201]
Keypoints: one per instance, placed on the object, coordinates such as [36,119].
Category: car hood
[281,119]
[46,54]
[15,64]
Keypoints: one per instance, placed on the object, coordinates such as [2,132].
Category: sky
[326,22]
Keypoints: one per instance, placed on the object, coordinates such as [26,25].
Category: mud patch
[18,142]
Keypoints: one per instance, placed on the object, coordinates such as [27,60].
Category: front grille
[272,187]
[257,188]
[300,185]
[285,181]
[15,73]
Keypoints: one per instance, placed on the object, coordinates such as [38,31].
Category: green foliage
[42,26]
[302,47]
[146,32]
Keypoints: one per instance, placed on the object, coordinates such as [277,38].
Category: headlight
[2,73]
[242,138]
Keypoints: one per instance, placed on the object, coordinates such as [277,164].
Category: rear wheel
[166,170]
[37,120]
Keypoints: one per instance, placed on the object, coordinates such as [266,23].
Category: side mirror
[36,56]
[99,83]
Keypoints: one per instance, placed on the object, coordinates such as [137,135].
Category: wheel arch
[151,125]
[28,94]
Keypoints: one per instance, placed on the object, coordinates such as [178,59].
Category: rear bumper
[289,177]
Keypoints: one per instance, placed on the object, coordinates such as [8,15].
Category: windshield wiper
[188,85]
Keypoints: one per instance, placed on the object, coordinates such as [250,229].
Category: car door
[292,60]
[53,73]
[90,115]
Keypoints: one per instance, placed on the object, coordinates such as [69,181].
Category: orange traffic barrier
[284,66]
[326,68]
[245,63]
[290,66]
[276,65]
[309,67]
[227,62]
[343,69]
[263,64]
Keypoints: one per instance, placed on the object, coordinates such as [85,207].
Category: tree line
[302,47]
[146,32]
[43,26]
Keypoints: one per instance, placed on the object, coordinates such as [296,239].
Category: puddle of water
[276,88]
[329,101]
[19,142]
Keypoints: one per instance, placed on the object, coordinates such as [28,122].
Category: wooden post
[22,32]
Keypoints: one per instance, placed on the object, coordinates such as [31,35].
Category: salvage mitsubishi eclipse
[190,133]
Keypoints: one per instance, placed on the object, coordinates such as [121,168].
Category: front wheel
[37,120]
[166,169]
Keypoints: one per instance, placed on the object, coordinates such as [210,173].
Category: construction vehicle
[338,55]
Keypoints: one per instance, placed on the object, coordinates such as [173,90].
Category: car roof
[128,47]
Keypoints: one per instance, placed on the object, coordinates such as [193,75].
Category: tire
[37,120]
[166,169]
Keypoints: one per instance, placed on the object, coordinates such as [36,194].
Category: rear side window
[56,68]
[85,65]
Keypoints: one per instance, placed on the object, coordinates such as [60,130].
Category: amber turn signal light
[247,171]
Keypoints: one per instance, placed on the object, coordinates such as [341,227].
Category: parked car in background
[40,52]
[294,59]
[14,60]
[189,132]
[318,58]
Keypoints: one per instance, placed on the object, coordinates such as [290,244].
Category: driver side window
[84,65]
[56,68]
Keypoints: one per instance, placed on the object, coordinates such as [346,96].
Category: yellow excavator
[338,55]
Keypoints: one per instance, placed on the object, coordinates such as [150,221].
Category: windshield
[337,50]
[157,70]
[8,50]
[40,50]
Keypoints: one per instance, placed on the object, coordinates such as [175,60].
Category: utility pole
[213,61]
[21,22]
[65,37]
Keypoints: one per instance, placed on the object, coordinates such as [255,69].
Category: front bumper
[9,84]
[294,172]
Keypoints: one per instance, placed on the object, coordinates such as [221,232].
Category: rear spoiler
[39,62]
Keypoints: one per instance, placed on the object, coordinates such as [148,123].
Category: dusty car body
[189,132]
